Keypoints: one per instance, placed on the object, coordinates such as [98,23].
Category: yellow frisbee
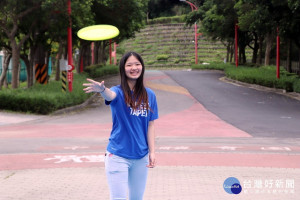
[98,32]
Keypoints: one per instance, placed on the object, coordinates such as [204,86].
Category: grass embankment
[264,75]
[45,99]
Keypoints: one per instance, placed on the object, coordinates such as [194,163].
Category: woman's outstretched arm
[94,86]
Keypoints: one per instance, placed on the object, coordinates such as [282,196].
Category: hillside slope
[172,45]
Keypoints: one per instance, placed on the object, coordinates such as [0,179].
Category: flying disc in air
[98,32]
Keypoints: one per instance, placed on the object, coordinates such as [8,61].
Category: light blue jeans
[125,175]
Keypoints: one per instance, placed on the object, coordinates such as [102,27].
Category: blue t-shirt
[128,137]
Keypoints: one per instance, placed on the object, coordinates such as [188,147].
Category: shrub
[43,99]
[92,68]
[177,60]
[265,76]
[296,85]
[164,20]
[104,70]
[162,57]
[95,71]
[120,50]
[212,66]
[150,62]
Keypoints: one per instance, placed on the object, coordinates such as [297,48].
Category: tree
[218,18]
[250,17]
[37,28]
[164,8]
[263,17]
[5,47]
[128,16]
[12,14]
[290,28]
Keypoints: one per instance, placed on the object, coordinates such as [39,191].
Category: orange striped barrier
[41,73]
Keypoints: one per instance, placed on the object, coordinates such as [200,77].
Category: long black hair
[139,98]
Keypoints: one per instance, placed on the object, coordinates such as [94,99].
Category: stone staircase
[175,43]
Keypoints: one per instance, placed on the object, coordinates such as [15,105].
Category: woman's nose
[134,66]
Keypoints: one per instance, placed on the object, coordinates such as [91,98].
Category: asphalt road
[259,113]
[62,156]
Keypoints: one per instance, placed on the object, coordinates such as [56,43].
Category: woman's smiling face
[133,68]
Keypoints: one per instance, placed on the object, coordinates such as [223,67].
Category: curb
[293,95]
[96,99]
[90,101]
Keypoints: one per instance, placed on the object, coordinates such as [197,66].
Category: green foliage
[257,20]
[150,62]
[166,8]
[95,71]
[128,15]
[217,19]
[265,76]
[212,66]
[43,99]
[296,85]
[162,57]
[165,20]
[92,69]
[120,50]
[177,60]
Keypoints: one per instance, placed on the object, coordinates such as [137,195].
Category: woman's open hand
[152,160]
[93,86]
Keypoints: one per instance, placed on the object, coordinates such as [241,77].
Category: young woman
[130,151]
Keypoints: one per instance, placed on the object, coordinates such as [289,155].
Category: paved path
[61,156]
[256,110]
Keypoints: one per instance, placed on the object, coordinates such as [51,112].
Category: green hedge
[165,20]
[265,75]
[162,57]
[45,99]
[95,71]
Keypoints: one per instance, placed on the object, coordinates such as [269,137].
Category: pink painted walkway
[196,121]
[83,160]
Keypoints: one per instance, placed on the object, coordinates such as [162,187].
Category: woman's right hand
[94,86]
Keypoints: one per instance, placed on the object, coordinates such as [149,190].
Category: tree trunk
[260,53]
[242,46]
[255,49]
[288,58]
[15,64]
[65,53]
[232,52]
[85,55]
[242,54]
[47,59]
[58,57]
[102,56]
[299,61]
[80,59]
[39,57]
[269,43]
[96,52]
[5,65]
[29,70]
[227,51]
